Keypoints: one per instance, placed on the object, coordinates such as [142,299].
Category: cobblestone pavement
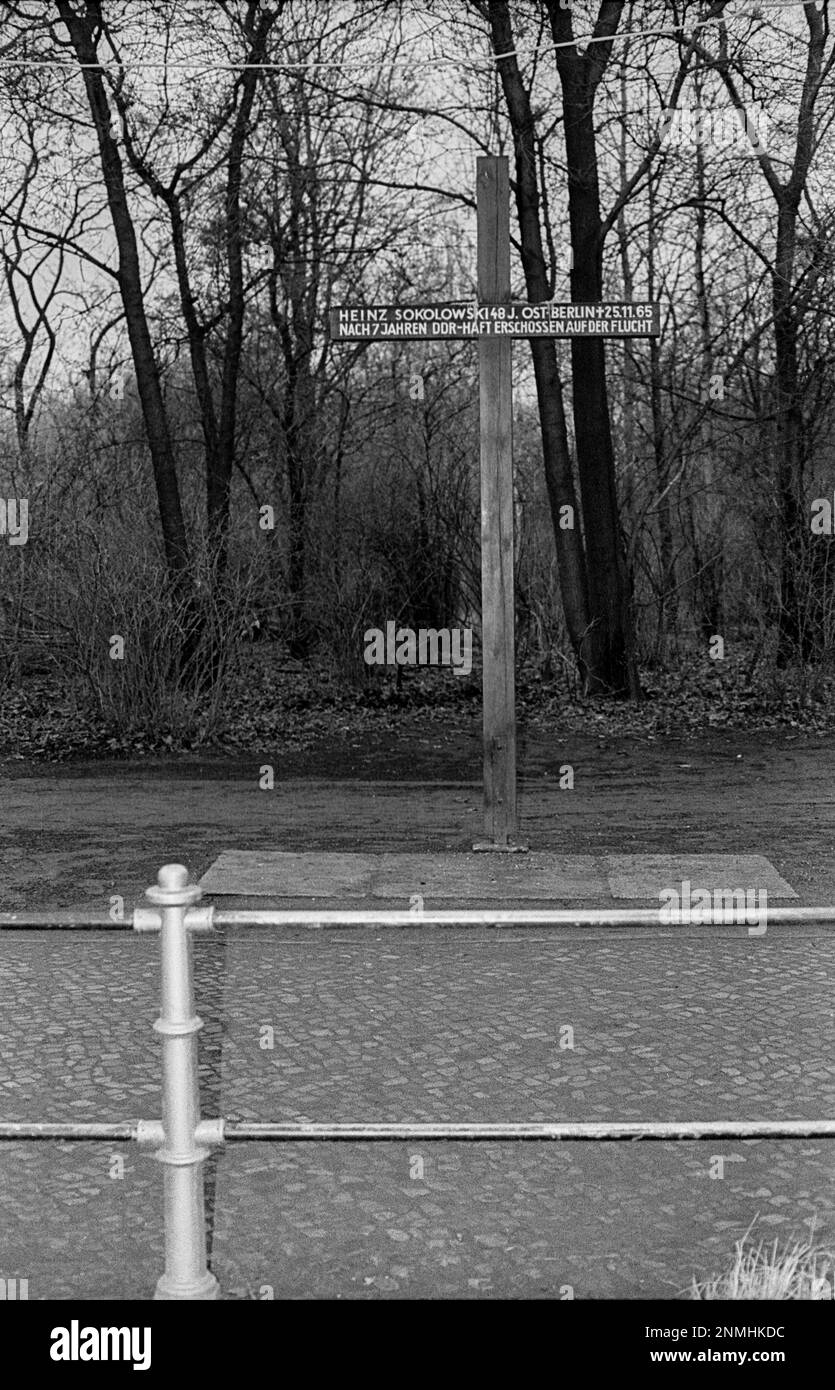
[410,1025]
[423,1025]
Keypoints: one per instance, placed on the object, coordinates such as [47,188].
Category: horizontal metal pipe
[60,921]
[566,1131]
[511,917]
[453,917]
[70,1132]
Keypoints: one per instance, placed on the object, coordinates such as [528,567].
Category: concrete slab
[262,873]
[491,877]
[645,875]
[485,878]
[458,877]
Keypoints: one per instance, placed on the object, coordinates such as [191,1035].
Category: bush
[139,656]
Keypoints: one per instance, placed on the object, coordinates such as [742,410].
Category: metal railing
[146,919]
[181,1140]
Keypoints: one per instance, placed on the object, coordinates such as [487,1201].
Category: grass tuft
[797,1270]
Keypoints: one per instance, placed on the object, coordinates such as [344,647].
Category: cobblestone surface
[422,1025]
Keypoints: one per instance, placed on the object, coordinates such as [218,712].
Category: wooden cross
[495,321]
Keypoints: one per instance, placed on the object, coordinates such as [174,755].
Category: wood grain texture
[497,595]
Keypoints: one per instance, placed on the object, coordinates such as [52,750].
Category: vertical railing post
[186,1271]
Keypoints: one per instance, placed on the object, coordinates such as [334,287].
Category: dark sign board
[638,319]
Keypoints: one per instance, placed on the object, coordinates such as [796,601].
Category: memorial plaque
[388,322]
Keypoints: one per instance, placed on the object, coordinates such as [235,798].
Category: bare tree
[33,278]
[788,294]
[593,569]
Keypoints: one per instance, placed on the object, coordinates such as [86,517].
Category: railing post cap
[172,876]
[172,888]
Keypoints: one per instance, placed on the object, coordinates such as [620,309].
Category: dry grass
[796,1270]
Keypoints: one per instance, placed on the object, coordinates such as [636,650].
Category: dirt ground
[71,835]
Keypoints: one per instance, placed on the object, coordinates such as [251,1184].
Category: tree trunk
[221,462]
[666,579]
[571,560]
[795,639]
[80,29]
[708,571]
[614,660]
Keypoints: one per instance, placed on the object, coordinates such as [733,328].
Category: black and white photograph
[417,669]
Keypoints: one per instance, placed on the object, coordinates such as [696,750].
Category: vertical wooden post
[497,599]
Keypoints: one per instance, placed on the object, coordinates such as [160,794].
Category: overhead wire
[584,40]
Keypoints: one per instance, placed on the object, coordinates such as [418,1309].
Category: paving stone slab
[453,876]
[259,873]
[535,877]
[497,878]
[646,875]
